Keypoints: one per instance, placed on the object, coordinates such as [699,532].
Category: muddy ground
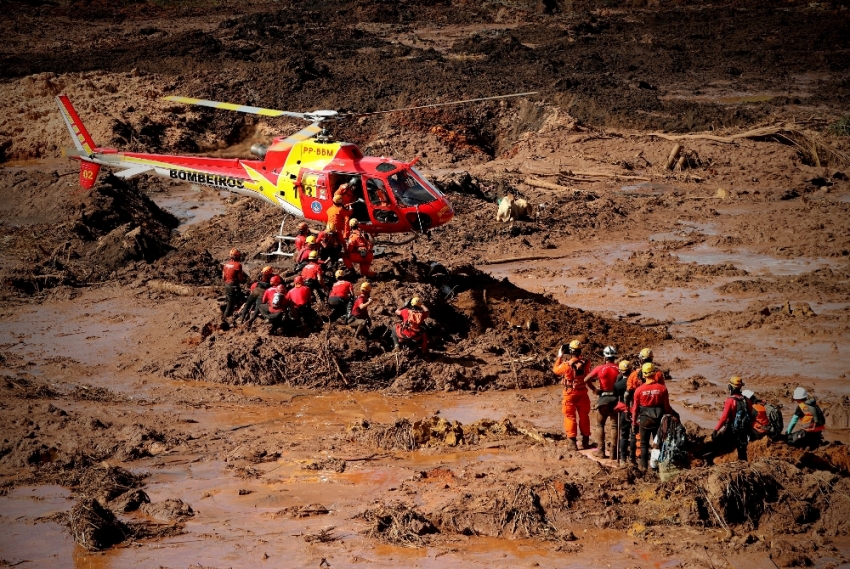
[138,431]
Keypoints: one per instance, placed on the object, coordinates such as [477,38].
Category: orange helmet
[234,253]
[267,270]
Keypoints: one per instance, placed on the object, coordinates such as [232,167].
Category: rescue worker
[341,296]
[359,318]
[359,249]
[636,378]
[626,449]
[760,426]
[274,304]
[300,305]
[410,331]
[575,399]
[301,235]
[346,192]
[338,216]
[303,256]
[329,245]
[233,277]
[607,374]
[733,426]
[312,274]
[251,308]
[651,402]
[809,420]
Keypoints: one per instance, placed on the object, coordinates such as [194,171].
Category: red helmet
[302,226]
[234,253]
[276,280]
[299,280]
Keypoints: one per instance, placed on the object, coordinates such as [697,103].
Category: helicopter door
[315,196]
[379,202]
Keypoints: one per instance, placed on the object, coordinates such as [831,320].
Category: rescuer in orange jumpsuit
[338,216]
[359,250]
[576,400]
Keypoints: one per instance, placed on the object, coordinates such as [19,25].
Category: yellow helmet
[415,301]
[311,239]
[647,369]
[575,345]
[353,222]
[736,381]
[646,354]
[366,287]
[625,365]
[313,255]
[339,273]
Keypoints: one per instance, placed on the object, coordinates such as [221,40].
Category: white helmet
[748,394]
[609,352]
[800,393]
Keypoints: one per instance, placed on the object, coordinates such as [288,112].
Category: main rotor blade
[434,105]
[232,107]
[303,134]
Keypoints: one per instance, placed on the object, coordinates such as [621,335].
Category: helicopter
[298,174]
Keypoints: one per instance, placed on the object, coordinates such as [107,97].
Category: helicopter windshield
[408,190]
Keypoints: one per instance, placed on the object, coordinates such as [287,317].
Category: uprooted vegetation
[492,334]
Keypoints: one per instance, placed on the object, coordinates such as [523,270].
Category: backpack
[673,439]
[740,423]
[278,300]
[776,423]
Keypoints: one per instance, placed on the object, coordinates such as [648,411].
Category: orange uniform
[359,250]
[575,399]
[338,217]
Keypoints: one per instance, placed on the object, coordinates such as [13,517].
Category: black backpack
[740,422]
[776,422]
[673,440]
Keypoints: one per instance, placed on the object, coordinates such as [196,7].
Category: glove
[715,435]
[561,351]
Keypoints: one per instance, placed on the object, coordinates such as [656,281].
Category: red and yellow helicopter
[298,173]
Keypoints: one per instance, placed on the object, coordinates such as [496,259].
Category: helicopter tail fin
[83,142]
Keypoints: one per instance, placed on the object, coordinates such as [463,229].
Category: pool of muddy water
[191,205]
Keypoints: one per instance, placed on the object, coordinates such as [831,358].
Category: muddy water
[26,538]
[191,205]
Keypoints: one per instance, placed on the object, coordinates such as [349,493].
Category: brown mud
[136,424]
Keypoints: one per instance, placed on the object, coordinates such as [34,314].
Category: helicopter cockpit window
[386,167]
[408,190]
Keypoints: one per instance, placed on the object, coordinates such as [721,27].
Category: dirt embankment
[54,234]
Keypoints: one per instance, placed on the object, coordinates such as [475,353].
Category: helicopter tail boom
[83,142]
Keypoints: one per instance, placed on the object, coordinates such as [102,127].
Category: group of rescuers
[636,401]
[341,244]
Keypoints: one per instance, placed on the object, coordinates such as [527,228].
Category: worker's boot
[600,450]
[586,444]
[571,444]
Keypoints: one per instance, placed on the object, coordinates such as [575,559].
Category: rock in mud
[170,510]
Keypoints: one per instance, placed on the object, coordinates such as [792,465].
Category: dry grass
[398,524]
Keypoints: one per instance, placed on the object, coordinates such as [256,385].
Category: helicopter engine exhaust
[259,150]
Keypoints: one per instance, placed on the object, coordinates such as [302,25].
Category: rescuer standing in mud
[733,427]
[607,374]
[234,277]
[576,400]
[650,404]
